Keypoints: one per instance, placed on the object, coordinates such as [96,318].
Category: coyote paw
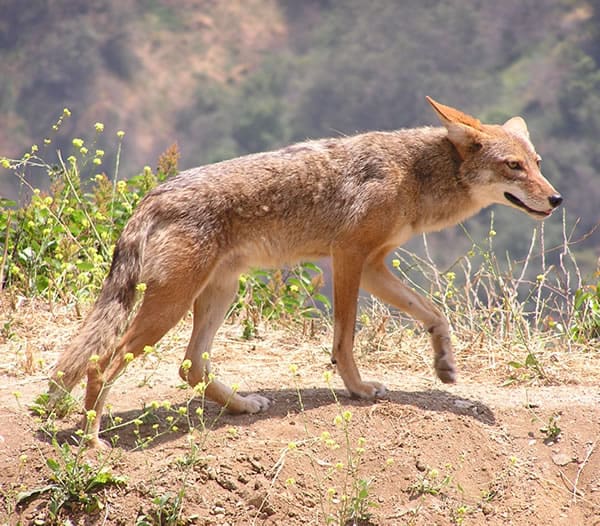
[368,390]
[255,403]
[445,370]
[97,444]
[92,441]
[443,360]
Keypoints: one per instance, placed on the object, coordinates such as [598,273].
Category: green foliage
[344,66]
[60,242]
[429,483]
[361,503]
[120,57]
[166,511]
[587,313]
[45,408]
[530,368]
[280,295]
[551,430]
[74,483]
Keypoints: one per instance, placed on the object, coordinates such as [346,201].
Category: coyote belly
[353,199]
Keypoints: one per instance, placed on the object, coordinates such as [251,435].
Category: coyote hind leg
[210,308]
[162,307]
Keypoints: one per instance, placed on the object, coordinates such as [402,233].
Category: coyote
[353,199]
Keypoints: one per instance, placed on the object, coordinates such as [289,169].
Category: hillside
[134,66]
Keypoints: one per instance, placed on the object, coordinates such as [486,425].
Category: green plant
[74,482]
[344,493]
[166,511]
[429,483]
[282,296]
[460,513]
[551,430]
[361,503]
[586,304]
[59,243]
[531,367]
[47,410]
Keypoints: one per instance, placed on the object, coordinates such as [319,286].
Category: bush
[59,243]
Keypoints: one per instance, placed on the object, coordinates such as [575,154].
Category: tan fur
[353,199]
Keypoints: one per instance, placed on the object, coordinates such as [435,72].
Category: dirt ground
[428,454]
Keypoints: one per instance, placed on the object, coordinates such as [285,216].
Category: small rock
[226,483]
[420,466]
[561,459]
[260,501]
[256,501]
[463,404]
[487,508]
[256,465]
[268,510]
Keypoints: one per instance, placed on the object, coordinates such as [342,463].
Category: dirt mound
[473,453]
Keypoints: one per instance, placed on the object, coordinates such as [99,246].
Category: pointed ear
[464,131]
[450,115]
[517,126]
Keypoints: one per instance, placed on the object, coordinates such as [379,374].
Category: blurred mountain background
[225,78]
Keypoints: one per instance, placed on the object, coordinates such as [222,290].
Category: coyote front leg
[347,268]
[378,280]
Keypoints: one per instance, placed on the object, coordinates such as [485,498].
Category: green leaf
[85,266]
[515,365]
[26,496]
[531,360]
[53,465]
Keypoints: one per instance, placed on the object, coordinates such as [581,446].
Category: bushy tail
[109,316]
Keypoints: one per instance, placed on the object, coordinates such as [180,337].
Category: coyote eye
[514,165]
[538,161]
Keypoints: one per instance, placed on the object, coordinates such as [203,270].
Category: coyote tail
[109,316]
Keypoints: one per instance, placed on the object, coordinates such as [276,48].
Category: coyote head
[499,162]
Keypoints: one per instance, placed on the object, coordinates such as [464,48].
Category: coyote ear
[517,126]
[464,131]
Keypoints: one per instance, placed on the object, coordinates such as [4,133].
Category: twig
[585,461]
[5,255]
[572,488]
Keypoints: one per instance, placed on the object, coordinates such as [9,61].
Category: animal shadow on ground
[286,403]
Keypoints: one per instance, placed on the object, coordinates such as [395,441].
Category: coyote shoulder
[353,199]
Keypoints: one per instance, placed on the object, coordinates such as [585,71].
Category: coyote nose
[555,200]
